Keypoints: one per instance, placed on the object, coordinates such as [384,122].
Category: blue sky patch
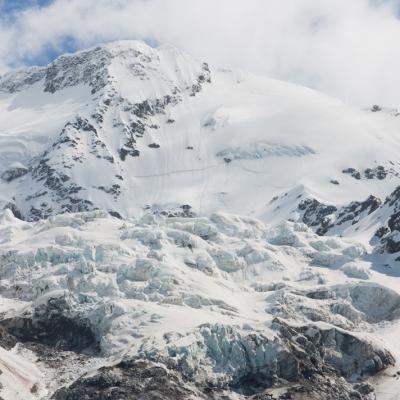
[10,7]
[50,53]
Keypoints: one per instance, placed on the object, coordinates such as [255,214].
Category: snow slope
[222,135]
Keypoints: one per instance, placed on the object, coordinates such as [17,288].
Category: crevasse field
[170,231]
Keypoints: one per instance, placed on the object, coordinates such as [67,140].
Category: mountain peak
[93,66]
[114,99]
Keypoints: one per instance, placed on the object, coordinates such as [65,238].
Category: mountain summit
[81,122]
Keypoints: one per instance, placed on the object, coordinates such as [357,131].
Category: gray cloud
[347,49]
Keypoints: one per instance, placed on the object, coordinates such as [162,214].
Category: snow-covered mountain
[124,126]
[176,231]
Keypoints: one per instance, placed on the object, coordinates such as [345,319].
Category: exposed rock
[379,172]
[352,172]
[14,173]
[331,349]
[316,214]
[353,211]
[131,380]
[222,357]
[389,233]
[16,212]
[52,324]
[123,152]
[319,387]
[323,217]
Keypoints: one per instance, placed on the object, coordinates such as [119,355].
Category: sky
[345,48]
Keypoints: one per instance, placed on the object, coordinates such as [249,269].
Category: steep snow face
[125,126]
[68,129]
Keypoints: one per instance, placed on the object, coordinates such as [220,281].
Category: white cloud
[345,48]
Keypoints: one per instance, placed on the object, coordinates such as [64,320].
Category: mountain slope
[124,126]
